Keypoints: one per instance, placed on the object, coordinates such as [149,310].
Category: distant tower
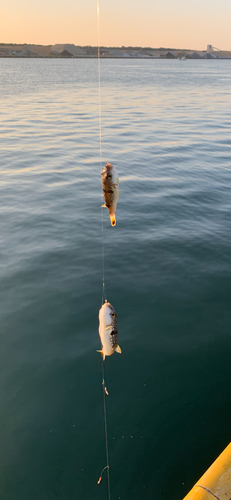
[209,48]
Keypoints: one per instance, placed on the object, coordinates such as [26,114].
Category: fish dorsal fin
[118,349]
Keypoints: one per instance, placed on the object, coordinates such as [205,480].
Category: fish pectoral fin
[104,205]
[107,327]
[118,349]
[101,352]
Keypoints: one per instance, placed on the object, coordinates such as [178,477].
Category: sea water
[166,127]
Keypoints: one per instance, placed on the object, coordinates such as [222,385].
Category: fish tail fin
[113,220]
[104,205]
[118,349]
[101,352]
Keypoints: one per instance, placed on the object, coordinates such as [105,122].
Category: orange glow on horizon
[146,24]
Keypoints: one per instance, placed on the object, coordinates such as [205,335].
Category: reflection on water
[167,267]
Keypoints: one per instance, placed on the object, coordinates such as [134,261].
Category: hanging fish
[110,183]
[108,330]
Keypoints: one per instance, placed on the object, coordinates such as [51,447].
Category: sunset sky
[155,23]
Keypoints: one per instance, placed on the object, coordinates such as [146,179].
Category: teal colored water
[166,128]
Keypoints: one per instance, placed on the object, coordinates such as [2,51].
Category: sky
[147,23]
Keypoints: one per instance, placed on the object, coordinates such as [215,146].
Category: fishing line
[101,475]
[103,262]
[100,153]
[100,134]
[105,392]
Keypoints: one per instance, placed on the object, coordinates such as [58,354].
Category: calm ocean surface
[166,126]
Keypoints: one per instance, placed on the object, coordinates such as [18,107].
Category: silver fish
[108,330]
[110,184]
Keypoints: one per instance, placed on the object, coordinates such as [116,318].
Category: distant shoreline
[71,51]
[106,58]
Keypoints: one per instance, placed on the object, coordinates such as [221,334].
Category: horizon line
[106,46]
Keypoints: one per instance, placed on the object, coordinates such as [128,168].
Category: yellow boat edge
[216,482]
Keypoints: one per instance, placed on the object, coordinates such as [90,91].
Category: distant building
[65,53]
[28,53]
[194,55]
[117,52]
[170,55]
[207,55]
[70,47]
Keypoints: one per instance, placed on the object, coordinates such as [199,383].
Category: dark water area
[166,128]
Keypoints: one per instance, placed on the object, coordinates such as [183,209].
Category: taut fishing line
[105,392]
[100,152]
